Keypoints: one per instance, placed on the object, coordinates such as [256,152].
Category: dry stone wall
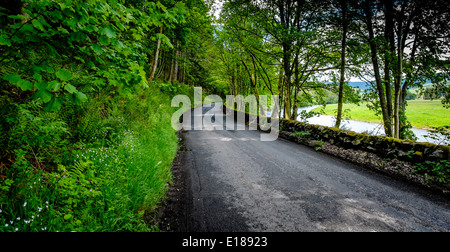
[391,156]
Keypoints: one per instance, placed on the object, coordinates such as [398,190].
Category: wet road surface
[238,183]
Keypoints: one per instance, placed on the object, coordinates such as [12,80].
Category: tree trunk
[373,49]
[389,52]
[342,80]
[155,61]
[287,98]
[175,67]
[172,64]
[287,81]
[253,81]
[281,89]
[296,87]
[398,82]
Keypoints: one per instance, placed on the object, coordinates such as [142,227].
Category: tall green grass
[101,171]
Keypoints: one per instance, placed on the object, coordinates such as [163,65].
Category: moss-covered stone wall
[383,146]
[391,156]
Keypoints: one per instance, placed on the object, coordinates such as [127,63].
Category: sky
[216,8]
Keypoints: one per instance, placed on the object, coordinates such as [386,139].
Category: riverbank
[422,114]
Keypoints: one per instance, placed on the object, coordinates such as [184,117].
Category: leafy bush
[437,169]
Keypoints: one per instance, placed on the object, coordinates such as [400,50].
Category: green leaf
[69,88]
[44,95]
[136,36]
[37,24]
[27,28]
[53,105]
[164,39]
[25,85]
[118,44]
[103,40]
[19,17]
[12,78]
[36,69]
[161,6]
[91,28]
[121,26]
[54,86]
[4,40]
[97,49]
[110,33]
[37,76]
[64,74]
[80,98]
[56,14]
[41,85]
[48,69]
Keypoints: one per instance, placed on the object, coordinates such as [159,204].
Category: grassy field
[421,113]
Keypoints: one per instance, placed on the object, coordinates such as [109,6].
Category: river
[367,127]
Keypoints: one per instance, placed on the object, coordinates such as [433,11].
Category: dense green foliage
[302,50]
[100,175]
[86,142]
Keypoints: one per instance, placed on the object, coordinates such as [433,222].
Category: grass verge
[98,167]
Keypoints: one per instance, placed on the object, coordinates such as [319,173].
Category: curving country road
[238,183]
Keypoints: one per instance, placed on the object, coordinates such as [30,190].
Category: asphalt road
[238,183]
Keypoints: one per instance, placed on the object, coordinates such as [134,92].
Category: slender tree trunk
[287,98]
[343,53]
[398,84]
[155,61]
[254,83]
[281,89]
[172,64]
[389,52]
[175,65]
[405,87]
[296,87]
[183,67]
[295,105]
[374,52]
[287,81]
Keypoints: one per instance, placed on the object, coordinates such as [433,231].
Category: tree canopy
[298,49]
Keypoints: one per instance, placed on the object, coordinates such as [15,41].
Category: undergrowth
[101,173]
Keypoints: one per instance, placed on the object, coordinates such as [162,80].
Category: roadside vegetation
[423,114]
[86,142]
